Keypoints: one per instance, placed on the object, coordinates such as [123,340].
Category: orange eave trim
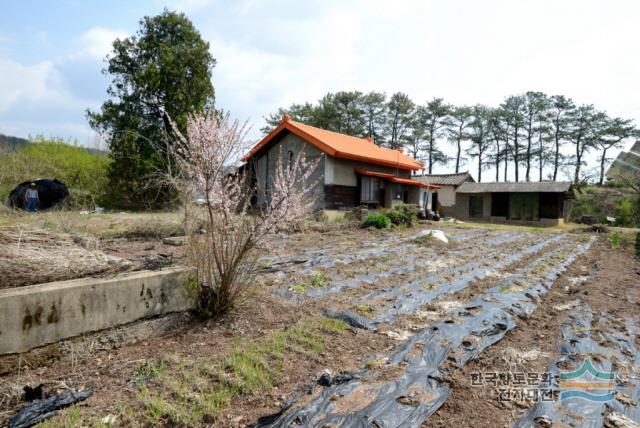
[325,148]
[394,179]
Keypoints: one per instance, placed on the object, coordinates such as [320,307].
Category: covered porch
[383,190]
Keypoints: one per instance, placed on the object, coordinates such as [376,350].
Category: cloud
[187,6]
[36,100]
[97,42]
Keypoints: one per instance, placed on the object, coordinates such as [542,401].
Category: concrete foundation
[42,314]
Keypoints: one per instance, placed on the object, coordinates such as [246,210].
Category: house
[351,171]
[444,200]
[537,203]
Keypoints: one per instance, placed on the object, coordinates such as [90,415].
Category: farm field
[352,327]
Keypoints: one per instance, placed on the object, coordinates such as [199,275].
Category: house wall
[461,208]
[341,172]
[426,198]
[267,164]
[461,212]
[446,196]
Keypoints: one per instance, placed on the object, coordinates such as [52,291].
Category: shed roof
[446,179]
[515,187]
[392,178]
[340,146]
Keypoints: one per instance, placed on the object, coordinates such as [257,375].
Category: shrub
[628,212]
[403,215]
[379,221]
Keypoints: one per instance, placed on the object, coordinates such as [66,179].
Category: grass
[192,393]
[365,310]
[103,226]
[615,240]
[72,417]
[317,280]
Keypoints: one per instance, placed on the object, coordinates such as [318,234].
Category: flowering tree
[225,255]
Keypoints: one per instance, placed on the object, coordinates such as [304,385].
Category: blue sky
[273,53]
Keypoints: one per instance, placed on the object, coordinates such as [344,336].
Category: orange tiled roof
[392,178]
[341,146]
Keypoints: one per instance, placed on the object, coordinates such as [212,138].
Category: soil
[604,279]
[593,278]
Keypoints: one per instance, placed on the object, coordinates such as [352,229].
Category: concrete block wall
[42,314]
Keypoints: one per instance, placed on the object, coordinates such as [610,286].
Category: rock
[174,240]
[570,305]
[436,234]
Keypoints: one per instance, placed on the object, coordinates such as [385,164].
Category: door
[475,206]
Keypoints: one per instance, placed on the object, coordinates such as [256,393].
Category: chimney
[286,118]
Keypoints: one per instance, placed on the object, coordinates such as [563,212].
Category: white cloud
[187,6]
[97,42]
[28,84]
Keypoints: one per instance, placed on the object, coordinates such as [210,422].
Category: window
[475,206]
[291,159]
[369,189]
[397,191]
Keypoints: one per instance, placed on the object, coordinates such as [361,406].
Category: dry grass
[29,255]
[103,226]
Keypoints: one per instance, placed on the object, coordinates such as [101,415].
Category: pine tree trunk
[497,161]
[602,160]
[458,157]
[516,153]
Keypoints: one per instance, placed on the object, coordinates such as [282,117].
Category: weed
[615,240]
[375,363]
[317,280]
[340,219]
[379,221]
[154,370]
[192,393]
[365,310]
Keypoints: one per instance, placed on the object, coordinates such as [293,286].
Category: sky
[272,53]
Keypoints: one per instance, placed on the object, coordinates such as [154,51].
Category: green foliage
[615,240]
[379,221]
[628,212]
[165,69]
[317,280]
[403,215]
[601,202]
[84,172]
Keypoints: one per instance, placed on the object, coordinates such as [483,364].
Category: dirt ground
[280,350]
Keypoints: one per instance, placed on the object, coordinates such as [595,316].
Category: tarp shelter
[50,193]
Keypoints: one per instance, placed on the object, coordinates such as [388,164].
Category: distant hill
[9,142]
[12,143]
